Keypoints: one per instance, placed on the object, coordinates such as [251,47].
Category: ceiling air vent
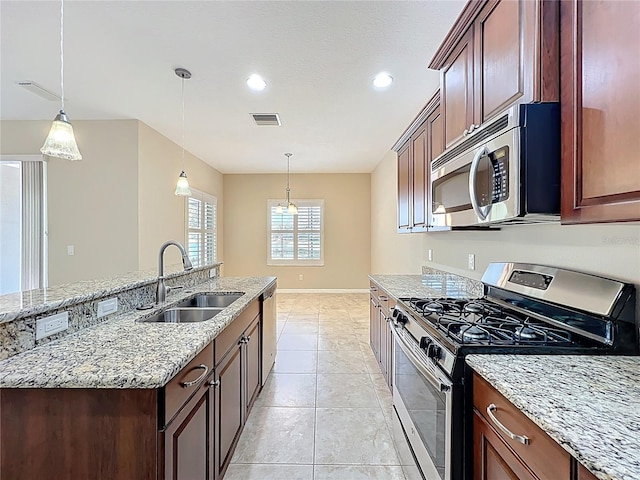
[266,119]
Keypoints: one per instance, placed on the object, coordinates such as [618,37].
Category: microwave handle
[473,172]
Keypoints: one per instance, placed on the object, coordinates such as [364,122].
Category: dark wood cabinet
[456,90]
[419,144]
[584,474]
[498,456]
[187,442]
[405,193]
[229,407]
[600,111]
[253,363]
[497,54]
[381,338]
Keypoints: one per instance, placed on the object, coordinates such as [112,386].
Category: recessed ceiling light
[382,80]
[256,82]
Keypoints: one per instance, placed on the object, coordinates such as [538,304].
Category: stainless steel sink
[184,315]
[206,300]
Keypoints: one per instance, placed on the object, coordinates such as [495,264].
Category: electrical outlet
[300,277]
[430,254]
[53,324]
[107,307]
[71,250]
[212,273]
[472,261]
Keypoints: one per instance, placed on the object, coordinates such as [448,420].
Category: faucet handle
[176,287]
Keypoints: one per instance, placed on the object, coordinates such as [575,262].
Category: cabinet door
[404,189]
[252,357]
[492,458]
[584,474]
[505,57]
[419,179]
[384,354]
[600,67]
[457,90]
[374,326]
[435,146]
[188,439]
[229,410]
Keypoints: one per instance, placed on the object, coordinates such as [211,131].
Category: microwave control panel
[500,162]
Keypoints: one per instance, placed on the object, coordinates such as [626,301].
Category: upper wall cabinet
[419,144]
[498,53]
[600,111]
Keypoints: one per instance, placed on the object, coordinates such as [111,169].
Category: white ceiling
[319,59]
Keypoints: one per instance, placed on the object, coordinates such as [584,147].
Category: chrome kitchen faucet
[162,289]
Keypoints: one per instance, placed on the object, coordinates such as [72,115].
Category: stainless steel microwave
[507,171]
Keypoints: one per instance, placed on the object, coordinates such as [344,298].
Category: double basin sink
[198,308]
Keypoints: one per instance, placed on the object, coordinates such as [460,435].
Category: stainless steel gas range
[529,309]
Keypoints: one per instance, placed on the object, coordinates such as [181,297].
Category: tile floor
[325,413]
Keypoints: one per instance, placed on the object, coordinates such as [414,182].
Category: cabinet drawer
[546,459]
[186,382]
[230,335]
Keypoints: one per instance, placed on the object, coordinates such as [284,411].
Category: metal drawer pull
[214,383]
[518,438]
[197,380]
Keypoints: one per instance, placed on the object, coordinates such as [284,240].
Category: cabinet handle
[247,339]
[214,383]
[383,298]
[197,380]
[523,439]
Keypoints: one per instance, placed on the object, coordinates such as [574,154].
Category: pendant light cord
[183,123]
[62,52]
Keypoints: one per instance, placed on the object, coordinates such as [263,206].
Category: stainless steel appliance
[269,332]
[507,171]
[529,309]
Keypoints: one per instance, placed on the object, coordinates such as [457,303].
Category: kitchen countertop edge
[111,355]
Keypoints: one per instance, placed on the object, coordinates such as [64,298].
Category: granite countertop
[123,353]
[429,285]
[32,302]
[588,404]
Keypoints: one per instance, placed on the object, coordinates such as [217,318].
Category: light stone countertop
[123,353]
[429,285]
[32,302]
[588,404]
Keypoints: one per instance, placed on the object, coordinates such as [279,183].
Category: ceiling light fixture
[182,187]
[61,143]
[292,208]
[256,82]
[382,80]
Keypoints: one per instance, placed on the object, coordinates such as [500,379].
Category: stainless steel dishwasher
[269,332]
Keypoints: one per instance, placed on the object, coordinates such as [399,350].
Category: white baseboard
[322,290]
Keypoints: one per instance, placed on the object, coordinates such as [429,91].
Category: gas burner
[525,333]
[435,307]
[473,307]
[474,334]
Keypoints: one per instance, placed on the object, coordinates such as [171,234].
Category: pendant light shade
[182,187]
[61,143]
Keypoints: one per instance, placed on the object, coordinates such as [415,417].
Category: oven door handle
[441,384]
[483,213]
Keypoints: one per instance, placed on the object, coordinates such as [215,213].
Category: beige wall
[347,228]
[92,204]
[391,252]
[161,213]
[611,250]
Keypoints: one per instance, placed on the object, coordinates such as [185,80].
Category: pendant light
[60,142]
[182,187]
[292,208]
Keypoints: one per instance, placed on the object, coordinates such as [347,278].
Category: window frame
[203,197]
[296,261]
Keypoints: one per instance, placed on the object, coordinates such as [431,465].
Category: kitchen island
[590,405]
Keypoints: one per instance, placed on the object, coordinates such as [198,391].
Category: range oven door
[422,397]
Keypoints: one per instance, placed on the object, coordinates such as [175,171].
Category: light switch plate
[107,307]
[50,325]
[430,254]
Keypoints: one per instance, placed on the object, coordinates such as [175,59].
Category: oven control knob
[434,351]
[425,342]
[398,317]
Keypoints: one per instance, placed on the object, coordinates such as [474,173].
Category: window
[201,228]
[296,239]
[22,223]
